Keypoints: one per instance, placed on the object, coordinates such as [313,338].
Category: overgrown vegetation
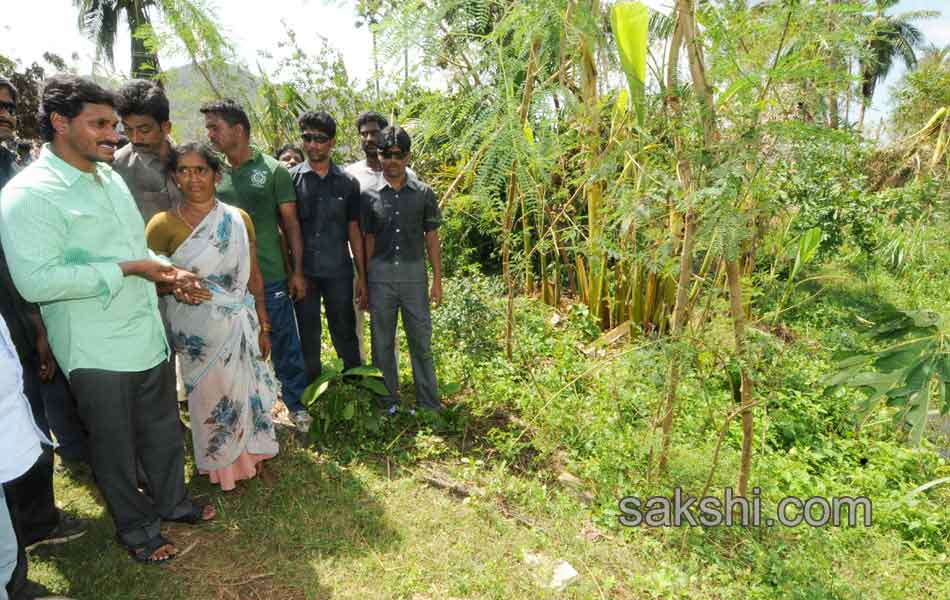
[657,281]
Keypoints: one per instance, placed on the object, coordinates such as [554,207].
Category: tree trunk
[738,325]
[686,247]
[711,131]
[145,63]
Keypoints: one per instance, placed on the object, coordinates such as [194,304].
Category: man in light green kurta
[75,244]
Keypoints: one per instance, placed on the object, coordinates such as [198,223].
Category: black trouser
[63,419]
[132,417]
[337,294]
[30,497]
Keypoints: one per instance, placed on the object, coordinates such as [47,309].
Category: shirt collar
[151,157]
[305,167]
[411,183]
[255,156]
[67,173]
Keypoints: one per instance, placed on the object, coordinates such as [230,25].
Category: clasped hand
[185,286]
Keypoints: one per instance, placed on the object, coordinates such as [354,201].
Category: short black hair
[395,135]
[6,83]
[143,97]
[370,117]
[66,95]
[202,149]
[285,148]
[321,121]
[230,110]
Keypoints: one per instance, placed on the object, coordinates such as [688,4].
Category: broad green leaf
[875,380]
[919,375]
[376,386]
[924,318]
[917,416]
[943,368]
[629,21]
[808,244]
[365,371]
[902,356]
[898,323]
[313,391]
[844,376]
[853,359]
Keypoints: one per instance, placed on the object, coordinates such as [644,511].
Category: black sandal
[195,516]
[143,553]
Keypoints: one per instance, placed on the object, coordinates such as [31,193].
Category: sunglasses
[390,154]
[192,171]
[315,137]
[10,107]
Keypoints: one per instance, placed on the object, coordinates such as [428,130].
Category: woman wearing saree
[223,340]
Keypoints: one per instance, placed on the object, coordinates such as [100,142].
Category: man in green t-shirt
[262,187]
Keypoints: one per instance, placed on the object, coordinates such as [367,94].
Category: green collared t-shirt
[64,232]
[258,186]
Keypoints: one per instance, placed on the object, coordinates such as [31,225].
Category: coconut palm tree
[99,20]
[890,38]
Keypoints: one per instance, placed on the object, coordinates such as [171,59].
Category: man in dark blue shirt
[328,207]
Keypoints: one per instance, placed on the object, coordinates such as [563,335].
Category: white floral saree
[230,388]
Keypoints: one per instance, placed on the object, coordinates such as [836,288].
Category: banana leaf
[629,21]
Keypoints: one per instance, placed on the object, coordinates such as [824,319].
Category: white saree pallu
[229,386]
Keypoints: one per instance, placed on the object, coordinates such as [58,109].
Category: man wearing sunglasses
[328,205]
[400,221]
[369,172]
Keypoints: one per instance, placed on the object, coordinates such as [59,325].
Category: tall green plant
[910,374]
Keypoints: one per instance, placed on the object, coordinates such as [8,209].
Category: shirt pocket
[414,219]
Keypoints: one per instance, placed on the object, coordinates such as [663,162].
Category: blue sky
[30,28]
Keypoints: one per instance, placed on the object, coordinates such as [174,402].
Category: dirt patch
[210,566]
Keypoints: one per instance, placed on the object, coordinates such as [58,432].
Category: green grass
[354,516]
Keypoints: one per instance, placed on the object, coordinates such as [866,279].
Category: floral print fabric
[230,388]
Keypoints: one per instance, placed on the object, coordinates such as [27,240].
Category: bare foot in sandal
[157,550]
[208,512]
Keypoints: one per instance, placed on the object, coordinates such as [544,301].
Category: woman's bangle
[265,327]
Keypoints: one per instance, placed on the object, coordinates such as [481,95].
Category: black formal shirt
[326,206]
[15,310]
[399,222]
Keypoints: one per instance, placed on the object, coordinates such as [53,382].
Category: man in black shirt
[328,206]
[400,221]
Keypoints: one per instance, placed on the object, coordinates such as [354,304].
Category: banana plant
[802,251]
[911,374]
[354,409]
